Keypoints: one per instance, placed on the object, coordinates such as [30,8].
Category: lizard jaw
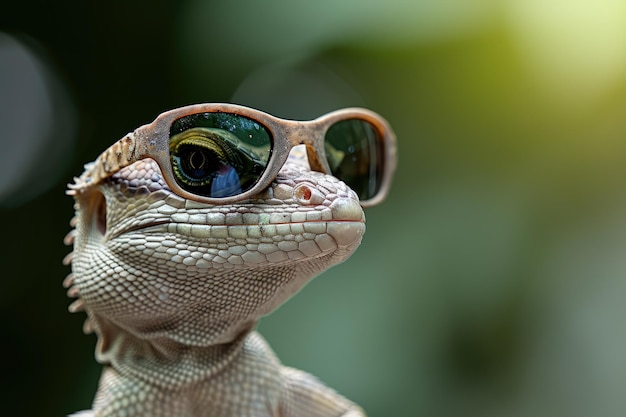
[257,238]
[343,220]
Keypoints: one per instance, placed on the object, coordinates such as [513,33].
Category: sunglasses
[222,153]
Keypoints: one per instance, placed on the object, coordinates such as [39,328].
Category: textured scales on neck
[173,289]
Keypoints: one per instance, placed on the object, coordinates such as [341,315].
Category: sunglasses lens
[218,154]
[356,155]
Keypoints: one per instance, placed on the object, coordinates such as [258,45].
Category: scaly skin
[173,289]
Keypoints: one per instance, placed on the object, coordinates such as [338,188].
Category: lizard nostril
[304,194]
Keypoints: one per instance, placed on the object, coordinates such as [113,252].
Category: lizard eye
[196,160]
[212,162]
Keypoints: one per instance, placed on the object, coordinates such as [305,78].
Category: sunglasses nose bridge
[297,132]
[311,135]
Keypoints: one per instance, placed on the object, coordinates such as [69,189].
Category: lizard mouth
[241,245]
[342,224]
[343,231]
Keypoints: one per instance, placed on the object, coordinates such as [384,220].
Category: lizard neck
[162,361]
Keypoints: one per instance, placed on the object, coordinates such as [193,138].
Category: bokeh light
[36,122]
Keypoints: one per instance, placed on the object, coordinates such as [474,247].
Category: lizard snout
[347,209]
[348,225]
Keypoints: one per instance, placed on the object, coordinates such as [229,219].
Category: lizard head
[158,266]
[190,228]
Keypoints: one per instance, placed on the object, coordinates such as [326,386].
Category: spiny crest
[72,291]
[82,182]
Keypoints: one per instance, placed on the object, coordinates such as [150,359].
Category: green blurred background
[490,283]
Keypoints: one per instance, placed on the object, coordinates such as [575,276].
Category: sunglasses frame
[152,141]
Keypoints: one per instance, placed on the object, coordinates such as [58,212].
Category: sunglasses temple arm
[119,155]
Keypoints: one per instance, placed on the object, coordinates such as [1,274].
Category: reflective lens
[218,154]
[354,151]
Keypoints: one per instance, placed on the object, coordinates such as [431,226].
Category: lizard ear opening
[98,210]
[101,214]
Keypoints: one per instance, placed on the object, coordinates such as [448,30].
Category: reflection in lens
[218,154]
[355,155]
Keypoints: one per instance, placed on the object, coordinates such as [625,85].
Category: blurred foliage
[492,281]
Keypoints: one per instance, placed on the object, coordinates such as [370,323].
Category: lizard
[173,279]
